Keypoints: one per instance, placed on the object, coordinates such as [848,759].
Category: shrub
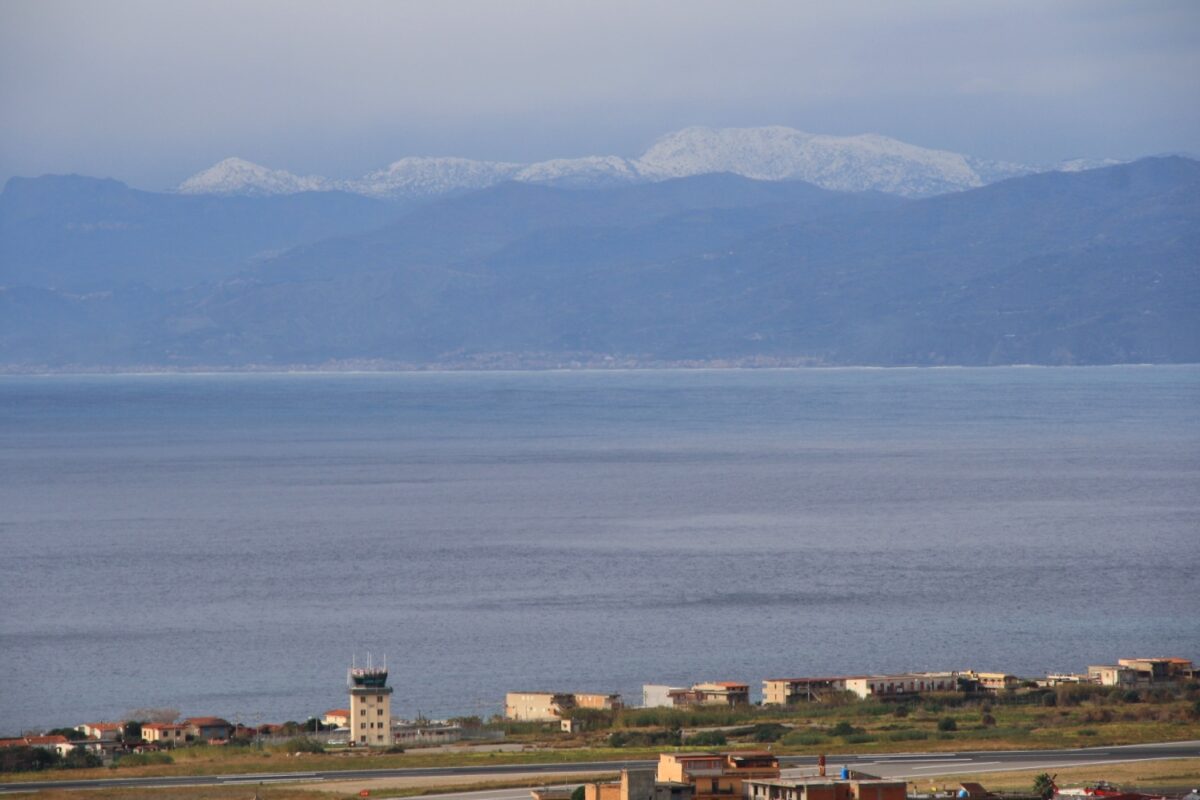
[302,744]
[395,749]
[27,759]
[988,721]
[1086,732]
[1049,699]
[803,738]
[1131,697]
[907,736]
[79,758]
[580,793]
[643,738]
[706,739]
[142,759]
[768,732]
[900,711]
[858,738]
[844,728]
[946,724]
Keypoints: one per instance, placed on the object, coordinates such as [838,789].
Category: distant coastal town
[367,721]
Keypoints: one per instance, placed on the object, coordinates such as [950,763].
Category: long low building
[866,686]
[788,691]
[551,706]
[710,693]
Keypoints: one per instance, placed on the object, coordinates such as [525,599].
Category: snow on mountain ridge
[867,162]
[416,176]
[238,176]
[586,171]
[847,163]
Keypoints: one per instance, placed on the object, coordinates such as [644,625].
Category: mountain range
[844,163]
[1080,267]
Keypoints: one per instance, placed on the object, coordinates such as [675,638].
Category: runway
[889,765]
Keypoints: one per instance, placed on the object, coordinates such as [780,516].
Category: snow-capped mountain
[1080,164]
[427,177]
[847,163]
[868,162]
[238,176]
[590,171]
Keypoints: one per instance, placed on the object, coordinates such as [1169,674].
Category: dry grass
[1173,774]
[342,790]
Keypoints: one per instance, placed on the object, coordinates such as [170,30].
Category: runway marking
[1015,766]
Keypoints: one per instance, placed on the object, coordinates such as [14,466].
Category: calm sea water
[223,544]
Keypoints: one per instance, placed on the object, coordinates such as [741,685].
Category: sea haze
[223,544]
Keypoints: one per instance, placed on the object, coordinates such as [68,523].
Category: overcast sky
[150,92]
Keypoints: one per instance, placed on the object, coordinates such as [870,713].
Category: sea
[227,544]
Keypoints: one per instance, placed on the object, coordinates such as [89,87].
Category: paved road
[906,765]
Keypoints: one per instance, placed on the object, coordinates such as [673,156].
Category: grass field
[1078,718]
[1181,774]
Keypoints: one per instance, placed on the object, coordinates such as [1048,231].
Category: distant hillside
[85,234]
[1096,266]
[844,163]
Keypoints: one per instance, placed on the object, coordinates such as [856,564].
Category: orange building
[636,785]
[826,789]
[715,776]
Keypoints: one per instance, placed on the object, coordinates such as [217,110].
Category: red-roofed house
[103,731]
[59,744]
[164,733]
[208,728]
[337,717]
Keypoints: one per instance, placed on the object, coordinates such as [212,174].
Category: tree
[81,758]
[71,734]
[1043,786]
[132,731]
[26,759]
[579,793]
[156,714]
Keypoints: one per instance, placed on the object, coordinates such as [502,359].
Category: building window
[379,698]
[362,712]
[379,712]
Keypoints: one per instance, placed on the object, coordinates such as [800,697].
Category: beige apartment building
[164,733]
[550,706]
[789,691]
[993,681]
[600,702]
[713,693]
[537,706]
[898,685]
[370,706]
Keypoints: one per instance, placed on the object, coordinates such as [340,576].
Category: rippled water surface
[222,544]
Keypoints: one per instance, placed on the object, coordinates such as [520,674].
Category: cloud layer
[151,92]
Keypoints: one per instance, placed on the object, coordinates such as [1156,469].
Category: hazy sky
[150,92]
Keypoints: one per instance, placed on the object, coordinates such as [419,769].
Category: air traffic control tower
[370,706]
